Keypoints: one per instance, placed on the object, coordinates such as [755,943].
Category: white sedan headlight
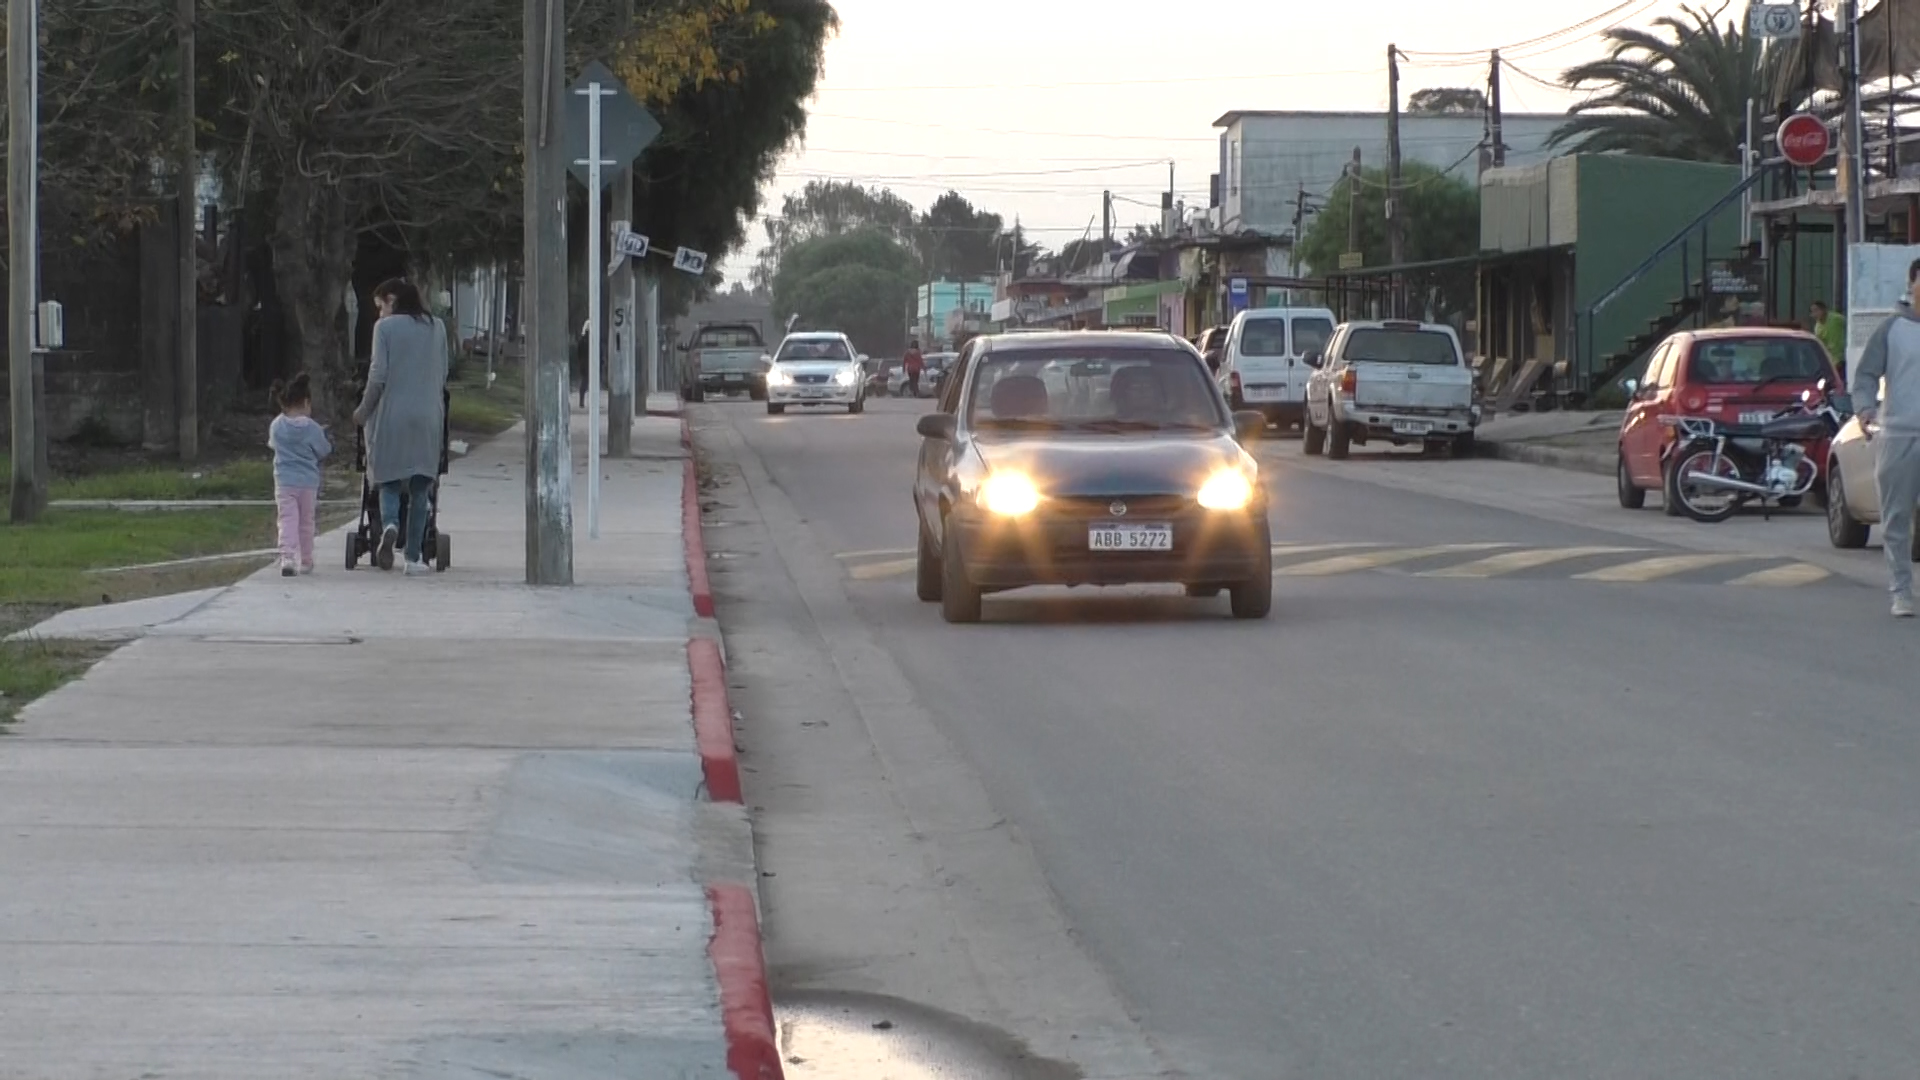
[1228,489]
[1009,494]
[847,376]
[777,377]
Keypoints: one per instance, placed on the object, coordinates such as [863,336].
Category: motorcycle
[1743,463]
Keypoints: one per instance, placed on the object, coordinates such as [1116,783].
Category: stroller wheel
[353,550]
[442,552]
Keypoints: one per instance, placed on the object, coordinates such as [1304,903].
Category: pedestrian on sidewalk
[1831,328]
[913,363]
[404,412]
[300,446]
[1893,355]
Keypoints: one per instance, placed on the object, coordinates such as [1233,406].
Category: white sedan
[1853,496]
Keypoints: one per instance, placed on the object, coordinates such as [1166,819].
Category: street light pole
[188,212]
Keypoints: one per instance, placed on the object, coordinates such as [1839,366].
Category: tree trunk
[312,270]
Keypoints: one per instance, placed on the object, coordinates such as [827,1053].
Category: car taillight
[1235,380]
[1348,381]
[1693,401]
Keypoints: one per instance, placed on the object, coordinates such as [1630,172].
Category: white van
[1264,362]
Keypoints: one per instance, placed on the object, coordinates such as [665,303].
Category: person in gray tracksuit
[1893,355]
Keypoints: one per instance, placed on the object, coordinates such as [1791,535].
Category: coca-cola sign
[1804,140]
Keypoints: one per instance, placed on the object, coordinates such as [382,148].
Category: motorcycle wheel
[1702,504]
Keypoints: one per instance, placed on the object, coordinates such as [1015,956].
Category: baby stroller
[437,547]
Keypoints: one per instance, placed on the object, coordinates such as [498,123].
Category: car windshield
[1264,337]
[1751,361]
[1388,346]
[825,349]
[1093,389]
[1311,335]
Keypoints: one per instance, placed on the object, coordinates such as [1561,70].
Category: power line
[1529,42]
[998,174]
[1069,83]
[1102,136]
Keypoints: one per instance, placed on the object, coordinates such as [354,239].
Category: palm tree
[1683,97]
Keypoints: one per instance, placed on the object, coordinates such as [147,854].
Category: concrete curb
[753,1053]
[1554,457]
[696,544]
[713,721]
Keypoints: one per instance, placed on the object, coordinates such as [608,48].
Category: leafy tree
[1447,101]
[958,241]
[1682,95]
[859,282]
[1443,218]
[1140,234]
[1079,256]
[830,208]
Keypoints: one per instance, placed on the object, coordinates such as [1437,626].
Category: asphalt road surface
[1489,795]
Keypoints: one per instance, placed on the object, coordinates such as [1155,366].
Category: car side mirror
[1315,359]
[941,426]
[1249,424]
[1632,387]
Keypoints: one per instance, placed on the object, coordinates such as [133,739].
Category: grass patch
[32,669]
[476,410]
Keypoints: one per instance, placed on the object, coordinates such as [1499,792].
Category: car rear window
[1094,388]
[1749,361]
[729,337]
[1311,335]
[1264,337]
[1385,346]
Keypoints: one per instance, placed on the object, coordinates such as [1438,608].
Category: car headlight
[1009,495]
[776,377]
[847,377]
[1228,489]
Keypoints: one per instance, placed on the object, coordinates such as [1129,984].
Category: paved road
[1489,796]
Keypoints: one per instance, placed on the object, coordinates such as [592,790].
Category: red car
[1740,375]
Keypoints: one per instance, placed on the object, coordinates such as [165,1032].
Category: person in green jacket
[1831,328]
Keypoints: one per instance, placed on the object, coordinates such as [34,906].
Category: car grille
[1139,507]
[811,380]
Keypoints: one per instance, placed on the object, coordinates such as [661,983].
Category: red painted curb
[713,721]
[696,544]
[746,1007]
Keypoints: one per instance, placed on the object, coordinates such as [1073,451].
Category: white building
[1267,157]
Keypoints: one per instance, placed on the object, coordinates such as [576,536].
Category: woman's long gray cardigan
[402,409]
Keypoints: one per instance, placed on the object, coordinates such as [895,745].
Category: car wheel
[1203,592]
[1669,502]
[1339,438]
[1253,599]
[926,570]
[1313,440]
[756,395]
[859,406]
[959,597]
[1632,496]
[695,394]
[1463,445]
[1843,531]
[775,409]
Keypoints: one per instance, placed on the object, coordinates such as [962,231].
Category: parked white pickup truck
[1404,382]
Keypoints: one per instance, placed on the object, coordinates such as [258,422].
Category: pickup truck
[1400,381]
[726,358]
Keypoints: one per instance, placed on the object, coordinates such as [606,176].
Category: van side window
[1311,334]
[1264,337]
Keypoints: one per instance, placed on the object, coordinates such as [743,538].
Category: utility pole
[23,160]
[1396,233]
[1106,221]
[1855,141]
[188,239]
[1299,224]
[1353,202]
[543,308]
[1495,140]
[620,397]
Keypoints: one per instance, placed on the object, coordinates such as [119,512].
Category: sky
[1034,107]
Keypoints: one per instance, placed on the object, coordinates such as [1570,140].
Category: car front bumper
[1209,547]
[814,394]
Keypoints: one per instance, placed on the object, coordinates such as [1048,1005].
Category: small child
[299,446]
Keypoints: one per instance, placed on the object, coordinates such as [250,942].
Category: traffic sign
[1773,22]
[631,244]
[690,261]
[1804,140]
[1237,286]
[1352,260]
[625,127]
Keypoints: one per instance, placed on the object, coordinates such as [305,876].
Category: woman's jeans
[417,510]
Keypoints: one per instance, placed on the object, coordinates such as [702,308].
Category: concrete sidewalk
[360,825]
[1562,439]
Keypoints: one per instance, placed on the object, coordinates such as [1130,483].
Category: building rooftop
[1228,119]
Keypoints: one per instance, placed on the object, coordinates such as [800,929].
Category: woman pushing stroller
[403,412]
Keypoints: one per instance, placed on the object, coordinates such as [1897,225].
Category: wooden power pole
[544,298]
[1496,142]
[188,212]
[28,483]
[1396,231]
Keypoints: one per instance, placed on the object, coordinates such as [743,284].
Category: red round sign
[1804,140]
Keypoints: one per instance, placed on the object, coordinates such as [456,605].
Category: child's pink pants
[296,524]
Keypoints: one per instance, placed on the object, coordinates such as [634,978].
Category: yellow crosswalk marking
[1515,561]
[851,556]
[1309,549]
[872,571]
[1665,566]
[1784,577]
[1374,560]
